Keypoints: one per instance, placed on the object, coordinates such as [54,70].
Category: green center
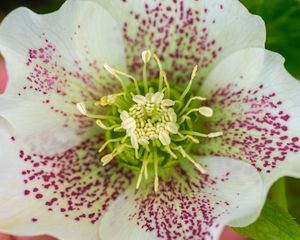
[150,126]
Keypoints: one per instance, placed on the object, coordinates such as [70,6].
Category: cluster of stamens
[152,117]
[147,124]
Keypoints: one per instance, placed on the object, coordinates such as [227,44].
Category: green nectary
[148,124]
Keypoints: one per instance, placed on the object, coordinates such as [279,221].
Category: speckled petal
[184,33]
[63,195]
[188,205]
[54,61]
[256,104]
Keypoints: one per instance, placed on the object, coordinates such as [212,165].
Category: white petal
[185,33]
[257,108]
[188,205]
[55,61]
[164,137]
[172,127]
[139,99]
[63,195]
[157,97]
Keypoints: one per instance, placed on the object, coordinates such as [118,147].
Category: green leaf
[293,197]
[282,18]
[274,223]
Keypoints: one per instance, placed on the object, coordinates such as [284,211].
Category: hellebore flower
[141,120]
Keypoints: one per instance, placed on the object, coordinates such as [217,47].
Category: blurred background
[39,6]
[282,18]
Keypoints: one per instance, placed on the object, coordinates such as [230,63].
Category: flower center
[151,118]
[150,124]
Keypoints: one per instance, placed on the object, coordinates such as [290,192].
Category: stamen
[134,141]
[108,100]
[189,102]
[139,99]
[188,157]
[146,55]
[214,134]
[129,123]
[108,142]
[205,111]
[168,150]
[112,72]
[157,97]
[108,157]
[164,138]
[183,118]
[146,168]
[130,77]
[164,75]
[160,83]
[103,126]
[172,127]
[189,84]
[194,133]
[82,109]
[140,176]
[124,115]
[155,171]
[167,103]
[184,137]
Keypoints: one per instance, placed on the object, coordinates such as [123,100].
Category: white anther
[130,131]
[109,69]
[157,97]
[214,134]
[164,137]
[106,100]
[206,111]
[128,123]
[149,96]
[124,115]
[107,158]
[172,116]
[139,99]
[146,55]
[134,141]
[81,108]
[143,141]
[172,127]
[167,102]
[111,99]
[101,124]
[194,72]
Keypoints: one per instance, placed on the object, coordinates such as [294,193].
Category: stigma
[149,123]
